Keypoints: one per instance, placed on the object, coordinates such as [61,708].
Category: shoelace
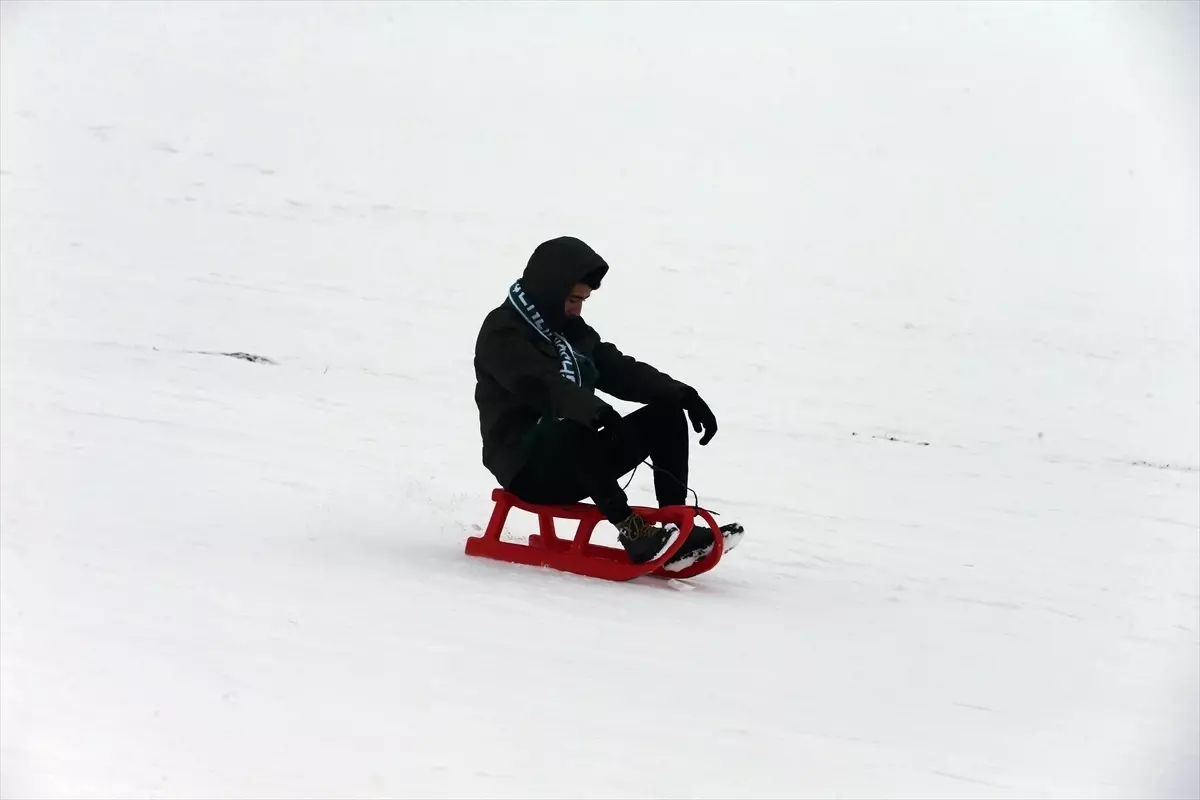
[695,506]
[637,527]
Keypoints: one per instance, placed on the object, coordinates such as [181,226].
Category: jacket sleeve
[626,378]
[513,361]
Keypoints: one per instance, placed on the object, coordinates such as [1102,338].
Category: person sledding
[547,437]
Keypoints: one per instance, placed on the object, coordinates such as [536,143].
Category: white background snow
[857,228]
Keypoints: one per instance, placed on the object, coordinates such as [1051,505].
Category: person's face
[574,304]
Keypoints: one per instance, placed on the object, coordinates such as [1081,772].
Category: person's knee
[668,414]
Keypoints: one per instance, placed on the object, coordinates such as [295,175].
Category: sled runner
[579,555]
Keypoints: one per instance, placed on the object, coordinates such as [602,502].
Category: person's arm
[626,378]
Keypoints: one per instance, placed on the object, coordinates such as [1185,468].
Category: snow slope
[936,268]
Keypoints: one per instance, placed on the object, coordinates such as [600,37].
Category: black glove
[608,418]
[700,414]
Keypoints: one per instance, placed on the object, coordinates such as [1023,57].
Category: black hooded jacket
[517,377]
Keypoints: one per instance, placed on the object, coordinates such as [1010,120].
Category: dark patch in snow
[244,356]
[1175,467]
[250,357]
[895,439]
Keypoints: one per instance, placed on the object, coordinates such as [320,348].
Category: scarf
[568,360]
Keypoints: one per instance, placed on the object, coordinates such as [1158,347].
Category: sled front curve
[710,560]
[579,555]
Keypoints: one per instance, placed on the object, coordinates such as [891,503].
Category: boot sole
[674,529]
[732,538]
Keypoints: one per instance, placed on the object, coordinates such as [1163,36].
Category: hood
[553,269]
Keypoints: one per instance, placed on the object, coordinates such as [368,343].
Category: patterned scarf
[569,361]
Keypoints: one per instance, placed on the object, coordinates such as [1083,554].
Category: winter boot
[645,542]
[700,543]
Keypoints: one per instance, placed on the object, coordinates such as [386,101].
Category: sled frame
[579,555]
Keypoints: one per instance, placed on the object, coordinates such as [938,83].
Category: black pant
[570,461]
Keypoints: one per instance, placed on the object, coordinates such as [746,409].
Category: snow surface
[936,268]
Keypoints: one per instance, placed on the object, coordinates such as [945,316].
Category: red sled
[579,555]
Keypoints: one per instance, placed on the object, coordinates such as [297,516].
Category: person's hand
[700,414]
[607,418]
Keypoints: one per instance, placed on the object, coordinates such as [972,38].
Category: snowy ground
[936,267]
